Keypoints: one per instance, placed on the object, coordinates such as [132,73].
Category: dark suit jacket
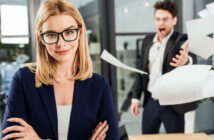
[172,48]
[92,103]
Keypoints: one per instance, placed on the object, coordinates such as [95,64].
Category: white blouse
[63,115]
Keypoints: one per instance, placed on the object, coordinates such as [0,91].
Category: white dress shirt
[156,53]
[63,116]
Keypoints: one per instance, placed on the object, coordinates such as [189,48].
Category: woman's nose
[60,41]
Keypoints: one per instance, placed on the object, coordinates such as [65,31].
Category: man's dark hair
[167,5]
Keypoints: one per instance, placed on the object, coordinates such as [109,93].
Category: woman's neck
[63,71]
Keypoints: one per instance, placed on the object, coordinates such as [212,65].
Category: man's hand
[182,59]
[135,109]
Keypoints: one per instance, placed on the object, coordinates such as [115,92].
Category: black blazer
[92,103]
[172,48]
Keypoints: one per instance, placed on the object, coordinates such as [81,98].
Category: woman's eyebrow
[52,31]
[72,26]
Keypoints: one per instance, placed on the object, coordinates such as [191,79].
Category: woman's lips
[62,52]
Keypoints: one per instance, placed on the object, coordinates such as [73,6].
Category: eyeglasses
[53,37]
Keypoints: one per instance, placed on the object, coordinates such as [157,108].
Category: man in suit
[160,54]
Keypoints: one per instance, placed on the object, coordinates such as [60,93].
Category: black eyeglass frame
[60,33]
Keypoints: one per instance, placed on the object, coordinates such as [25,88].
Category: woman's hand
[23,132]
[99,132]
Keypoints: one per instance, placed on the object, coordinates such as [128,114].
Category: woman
[58,97]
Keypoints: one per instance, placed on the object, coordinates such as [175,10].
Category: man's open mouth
[161,29]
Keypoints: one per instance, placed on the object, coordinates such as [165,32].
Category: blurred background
[118,26]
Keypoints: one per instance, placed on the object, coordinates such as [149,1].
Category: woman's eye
[51,35]
[69,32]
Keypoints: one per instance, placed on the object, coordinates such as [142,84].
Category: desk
[195,136]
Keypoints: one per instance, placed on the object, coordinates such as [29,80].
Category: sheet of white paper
[206,49]
[204,13]
[112,60]
[210,7]
[181,85]
[208,88]
[199,42]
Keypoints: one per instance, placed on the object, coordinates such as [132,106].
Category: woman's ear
[41,39]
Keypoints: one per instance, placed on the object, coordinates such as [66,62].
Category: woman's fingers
[103,133]
[103,137]
[99,131]
[18,120]
[13,135]
[97,126]
[100,128]
[23,132]
[13,128]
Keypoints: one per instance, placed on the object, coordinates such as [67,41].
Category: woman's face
[62,47]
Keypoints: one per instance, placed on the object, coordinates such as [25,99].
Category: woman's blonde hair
[45,66]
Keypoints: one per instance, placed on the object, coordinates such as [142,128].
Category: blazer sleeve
[106,112]
[16,105]
[137,87]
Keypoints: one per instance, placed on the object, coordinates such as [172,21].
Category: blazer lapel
[146,53]
[169,45]
[47,95]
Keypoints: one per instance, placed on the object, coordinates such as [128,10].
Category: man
[160,54]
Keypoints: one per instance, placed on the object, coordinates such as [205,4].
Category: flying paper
[200,42]
[112,60]
[184,84]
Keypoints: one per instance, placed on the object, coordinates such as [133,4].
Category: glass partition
[128,52]
[90,12]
